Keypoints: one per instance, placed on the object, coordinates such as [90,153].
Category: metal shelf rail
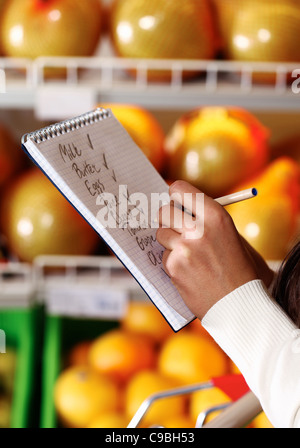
[91,287]
[219,82]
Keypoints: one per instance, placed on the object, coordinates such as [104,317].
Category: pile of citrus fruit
[107,379]
[217,149]
[225,149]
[33,213]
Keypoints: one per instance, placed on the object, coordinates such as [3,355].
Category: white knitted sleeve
[265,345]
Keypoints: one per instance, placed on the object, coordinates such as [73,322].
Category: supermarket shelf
[91,287]
[107,79]
[17,285]
[51,278]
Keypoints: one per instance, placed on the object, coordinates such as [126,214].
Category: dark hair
[286,290]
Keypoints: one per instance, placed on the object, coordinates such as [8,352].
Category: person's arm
[217,276]
[265,345]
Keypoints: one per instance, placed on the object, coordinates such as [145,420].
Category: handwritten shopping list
[111,187]
[111,183]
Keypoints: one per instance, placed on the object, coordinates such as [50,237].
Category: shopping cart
[236,414]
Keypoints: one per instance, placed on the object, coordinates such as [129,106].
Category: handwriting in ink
[144,242]
[104,161]
[69,152]
[114,175]
[95,188]
[105,164]
[90,141]
[85,170]
[155,257]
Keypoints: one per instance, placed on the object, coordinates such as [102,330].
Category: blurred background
[210,91]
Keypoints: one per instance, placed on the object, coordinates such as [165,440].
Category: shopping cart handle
[233,385]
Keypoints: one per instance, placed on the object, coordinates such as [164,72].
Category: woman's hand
[204,265]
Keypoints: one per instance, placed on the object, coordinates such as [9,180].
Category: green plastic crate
[22,333]
[61,334]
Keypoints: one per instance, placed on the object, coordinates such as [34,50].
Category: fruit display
[222,150]
[37,220]
[142,386]
[143,128]
[253,30]
[77,379]
[81,394]
[269,223]
[2,3]
[261,31]
[214,148]
[217,149]
[190,358]
[32,28]
[123,366]
[287,147]
[120,355]
[262,421]
[165,29]
[8,362]
[205,399]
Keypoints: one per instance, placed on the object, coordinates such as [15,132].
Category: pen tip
[254,192]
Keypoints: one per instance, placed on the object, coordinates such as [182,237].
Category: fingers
[188,197]
[167,238]
[174,218]
[191,199]
[165,257]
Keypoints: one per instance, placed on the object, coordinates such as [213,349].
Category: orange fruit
[120,354]
[205,399]
[177,421]
[197,327]
[262,421]
[191,358]
[144,129]
[35,217]
[162,29]
[42,26]
[214,148]
[142,386]
[234,368]
[109,420]
[281,176]
[144,318]
[267,222]
[79,354]
[263,33]
[80,394]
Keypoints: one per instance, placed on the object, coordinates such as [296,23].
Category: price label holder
[55,102]
[85,287]
[87,301]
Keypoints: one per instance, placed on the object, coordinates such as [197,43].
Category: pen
[224,200]
[237,197]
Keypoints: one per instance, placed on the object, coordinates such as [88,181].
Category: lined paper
[99,158]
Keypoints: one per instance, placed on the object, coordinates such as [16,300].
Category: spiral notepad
[92,157]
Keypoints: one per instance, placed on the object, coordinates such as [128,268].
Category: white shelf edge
[221,82]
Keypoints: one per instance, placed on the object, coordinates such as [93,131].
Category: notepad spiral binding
[66,126]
